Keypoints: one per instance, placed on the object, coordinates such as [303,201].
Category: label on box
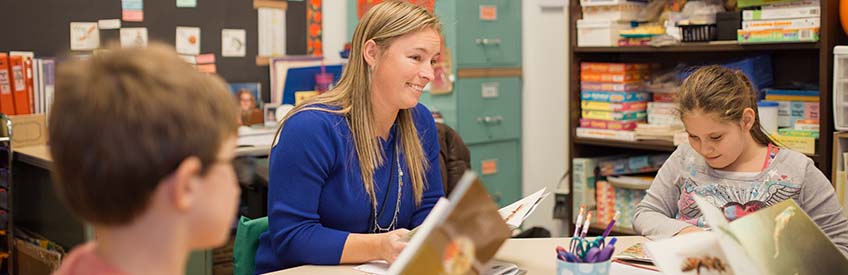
[488,12]
[489,166]
[490,90]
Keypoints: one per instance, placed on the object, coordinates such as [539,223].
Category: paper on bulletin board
[132,10]
[109,24]
[186,3]
[271,32]
[233,43]
[84,36]
[134,37]
[188,40]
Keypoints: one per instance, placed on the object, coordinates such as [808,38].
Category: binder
[19,97]
[7,102]
[24,102]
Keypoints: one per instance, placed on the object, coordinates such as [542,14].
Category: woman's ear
[370,51]
[748,118]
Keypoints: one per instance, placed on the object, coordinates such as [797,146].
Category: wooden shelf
[644,144]
[716,46]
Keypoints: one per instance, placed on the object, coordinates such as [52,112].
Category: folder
[20,96]
[8,86]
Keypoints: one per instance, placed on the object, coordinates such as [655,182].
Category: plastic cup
[568,268]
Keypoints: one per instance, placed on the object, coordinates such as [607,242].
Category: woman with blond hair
[354,168]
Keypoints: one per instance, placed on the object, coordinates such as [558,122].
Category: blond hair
[123,120]
[718,90]
[352,96]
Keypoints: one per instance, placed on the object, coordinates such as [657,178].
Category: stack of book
[797,118]
[788,21]
[612,101]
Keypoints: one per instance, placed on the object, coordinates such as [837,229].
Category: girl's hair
[382,23]
[718,90]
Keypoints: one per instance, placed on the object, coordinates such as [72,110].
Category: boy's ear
[748,118]
[370,51]
[185,182]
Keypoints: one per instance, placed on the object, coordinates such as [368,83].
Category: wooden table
[534,255]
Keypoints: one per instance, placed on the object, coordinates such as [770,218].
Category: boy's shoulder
[84,260]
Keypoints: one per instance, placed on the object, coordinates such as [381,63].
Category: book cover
[608,124]
[593,114]
[778,35]
[449,240]
[623,77]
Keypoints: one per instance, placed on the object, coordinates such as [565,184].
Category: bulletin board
[42,26]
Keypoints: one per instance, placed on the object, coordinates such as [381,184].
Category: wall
[544,136]
[335,28]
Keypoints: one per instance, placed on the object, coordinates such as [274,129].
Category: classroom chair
[246,243]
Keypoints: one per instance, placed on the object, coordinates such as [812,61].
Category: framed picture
[270,114]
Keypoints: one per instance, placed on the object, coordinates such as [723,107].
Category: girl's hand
[391,244]
[689,229]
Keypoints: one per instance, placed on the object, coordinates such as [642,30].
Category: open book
[515,213]
[459,236]
[779,239]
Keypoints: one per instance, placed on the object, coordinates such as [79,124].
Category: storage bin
[698,33]
[628,11]
[840,88]
[599,33]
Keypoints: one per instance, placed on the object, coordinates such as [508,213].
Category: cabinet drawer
[499,167]
[488,33]
[489,109]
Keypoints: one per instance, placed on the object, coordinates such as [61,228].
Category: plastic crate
[840,88]
[699,33]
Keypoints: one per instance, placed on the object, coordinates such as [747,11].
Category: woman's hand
[689,229]
[391,244]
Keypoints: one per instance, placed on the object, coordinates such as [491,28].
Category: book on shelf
[805,145]
[783,13]
[779,239]
[634,115]
[798,133]
[621,78]
[601,67]
[613,87]
[606,134]
[613,106]
[610,199]
[796,23]
[770,91]
[585,173]
[800,98]
[784,4]
[608,124]
[614,97]
[778,35]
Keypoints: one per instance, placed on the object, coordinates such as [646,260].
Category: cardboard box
[35,259]
[28,130]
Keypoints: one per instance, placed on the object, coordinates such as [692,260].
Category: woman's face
[246,101]
[402,69]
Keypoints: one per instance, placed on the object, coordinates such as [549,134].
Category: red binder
[20,95]
[6,100]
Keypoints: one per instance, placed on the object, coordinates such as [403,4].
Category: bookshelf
[791,62]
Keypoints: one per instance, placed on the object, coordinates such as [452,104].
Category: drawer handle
[487,41]
[490,119]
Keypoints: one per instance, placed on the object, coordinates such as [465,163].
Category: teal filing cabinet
[484,37]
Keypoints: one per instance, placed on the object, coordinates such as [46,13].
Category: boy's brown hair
[123,120]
